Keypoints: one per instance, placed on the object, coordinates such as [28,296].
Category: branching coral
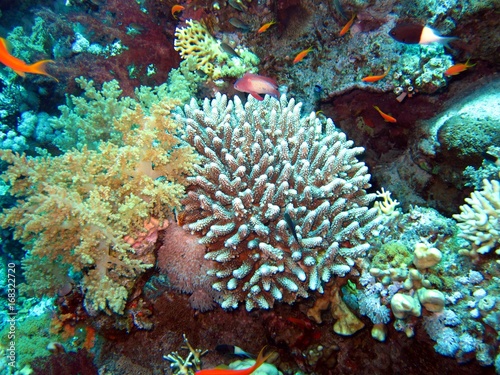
[281,207]
[480,219]
[79,208]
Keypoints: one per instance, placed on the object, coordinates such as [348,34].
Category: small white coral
[480,219]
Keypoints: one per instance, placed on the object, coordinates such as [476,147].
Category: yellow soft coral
[78,208]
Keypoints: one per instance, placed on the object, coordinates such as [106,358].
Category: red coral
[181,258]
[108,24]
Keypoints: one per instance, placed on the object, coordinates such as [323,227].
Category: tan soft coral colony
[75,210]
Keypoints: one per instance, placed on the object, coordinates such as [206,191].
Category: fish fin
[445,40]
[40,68]
[263,78]
[468,65]
[7,45]
[257,96]
[261,359]
[22,74]
[275,93]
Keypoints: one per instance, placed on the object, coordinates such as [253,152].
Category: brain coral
[281,207]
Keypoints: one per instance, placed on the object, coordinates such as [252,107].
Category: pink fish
[255,84]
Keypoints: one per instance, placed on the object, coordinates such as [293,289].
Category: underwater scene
[294,187]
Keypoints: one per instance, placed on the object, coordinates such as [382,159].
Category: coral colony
[261,162]
[188,182]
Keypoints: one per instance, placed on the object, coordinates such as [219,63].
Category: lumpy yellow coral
[195,44]
[195,41]
[77,208]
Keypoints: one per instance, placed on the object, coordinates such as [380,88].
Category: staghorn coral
[260,161]
[479,219]
[81,208]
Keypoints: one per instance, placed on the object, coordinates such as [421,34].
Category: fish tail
[40,67]
[261,359]
[468,64]
[445,40]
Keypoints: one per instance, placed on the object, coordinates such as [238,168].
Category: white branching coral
[479,220]
[281,207]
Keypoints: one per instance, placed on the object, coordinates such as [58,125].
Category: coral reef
[281,209]
[77,210]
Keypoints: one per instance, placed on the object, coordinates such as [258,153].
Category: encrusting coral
[82,210]
[281,207]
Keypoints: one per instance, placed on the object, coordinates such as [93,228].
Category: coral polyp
[281,208]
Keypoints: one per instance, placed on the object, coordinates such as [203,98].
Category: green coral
[231,66]
[26,46]
[33,334]
[392,254]
[183,81]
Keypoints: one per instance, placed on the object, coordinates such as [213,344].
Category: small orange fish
[458,68]
[301,55]
[376,78]
[247,371]
[19,66]
[347,26]
[385,116]
[266,26]
[176,9]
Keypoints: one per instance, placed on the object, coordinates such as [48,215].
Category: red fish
[19,66]
[385,116]
[177,9]
[347,26]
[458,68]
[376,78]
[301,55]
[266,26]
[255,84]
[305,324]
[246,371]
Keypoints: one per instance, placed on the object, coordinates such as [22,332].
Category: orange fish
[347,26]
[19,66]
[176,9]
[385,116]
[266,26]
[247,371]
[376,78]
[458,68]
[301,55]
